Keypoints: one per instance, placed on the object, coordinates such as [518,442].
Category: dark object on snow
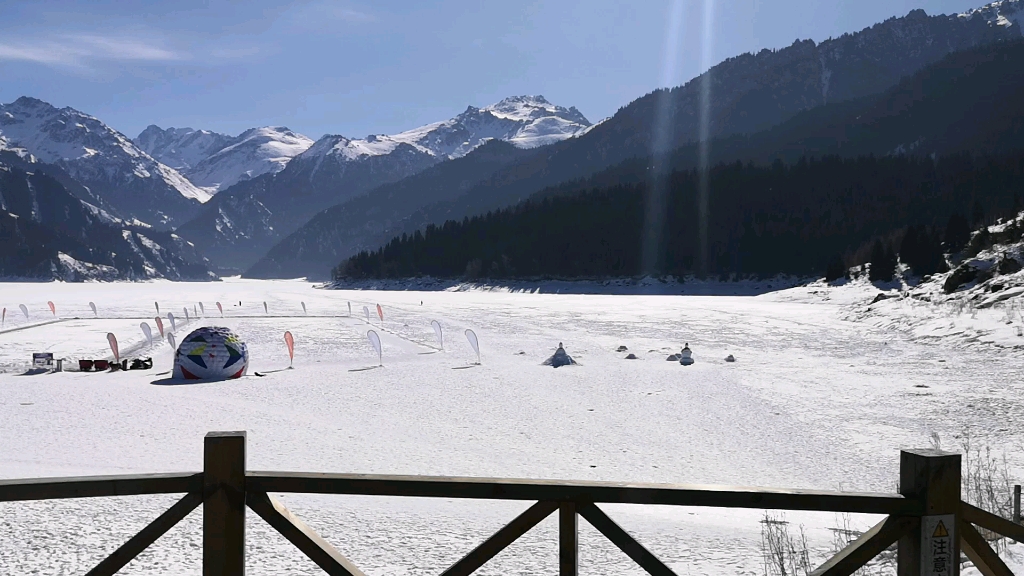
[101,365]
[673,358]
[631,357]
[730,358]
[882,296]
[141,364]
[85,365]
[559,358]
[621,349]
[686,355]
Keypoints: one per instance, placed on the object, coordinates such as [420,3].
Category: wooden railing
[929,495]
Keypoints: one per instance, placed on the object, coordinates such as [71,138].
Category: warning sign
[937,533]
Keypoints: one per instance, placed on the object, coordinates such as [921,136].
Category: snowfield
[824,392]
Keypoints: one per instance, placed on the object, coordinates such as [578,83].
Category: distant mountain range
[215,161]
[273,203]
[241,223]
[749,93]
[129,182]
[47,233]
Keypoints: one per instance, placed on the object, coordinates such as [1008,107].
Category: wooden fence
[927,520]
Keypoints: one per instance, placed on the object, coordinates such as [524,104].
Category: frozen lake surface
[823,395]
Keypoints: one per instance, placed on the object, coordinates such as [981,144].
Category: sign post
[933,548]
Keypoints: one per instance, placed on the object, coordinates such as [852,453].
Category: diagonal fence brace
[501,539]
[301,535]
[980,553]
[613,532]
[867,546]
[154,530]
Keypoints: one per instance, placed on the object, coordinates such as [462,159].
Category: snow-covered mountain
[525,121]
[47,232]
[107,162]
[180,148]
[1003,13]
[244,221]
[215,161]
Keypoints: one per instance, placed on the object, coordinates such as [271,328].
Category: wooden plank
[990,521]
[568,540]
[867,546]
[157,528]
[224,505]
[582,491]
[301,535]
[981,554]
[613,532]
[18,489]
[501,539]
[931,477]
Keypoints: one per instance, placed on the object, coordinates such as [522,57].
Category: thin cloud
[325,14]
[85,50]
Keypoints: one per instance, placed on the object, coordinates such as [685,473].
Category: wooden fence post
[224,508]
[568,539]
[1016,503]
[933,546]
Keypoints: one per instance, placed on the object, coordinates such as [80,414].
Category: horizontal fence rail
[99,486]
[584,491]
[929,497]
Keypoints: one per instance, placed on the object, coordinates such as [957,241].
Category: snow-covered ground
[824,393]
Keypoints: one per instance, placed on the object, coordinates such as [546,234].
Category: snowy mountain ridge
[1004,13]
[525,121]
[214,161]
[83,145]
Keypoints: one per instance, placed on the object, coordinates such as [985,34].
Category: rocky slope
[47,233]
[130,182]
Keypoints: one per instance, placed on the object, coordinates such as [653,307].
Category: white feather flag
[24,310]
[375,342]
[93,306]
[148,332]
[471,336]
[437,331]
[170,317]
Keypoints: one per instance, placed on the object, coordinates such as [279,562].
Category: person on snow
[686,355]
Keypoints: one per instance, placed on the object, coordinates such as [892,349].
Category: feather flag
[304,308]
[170,340]
[185,309]
[437,331]
[160,326]
[367,312]
[265,311]
[349,308]
[157,304]
[94,312]
[375,342]
[53,309]
[148,332]
[380,312]
[3,318]
[24,310]
[471,336]
[174,326]
[201,309]
[112,340]
[290,342]
[221,308]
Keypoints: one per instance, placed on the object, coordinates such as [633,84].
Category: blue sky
[358,68]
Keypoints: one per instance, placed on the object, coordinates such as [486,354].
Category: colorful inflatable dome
[211,353]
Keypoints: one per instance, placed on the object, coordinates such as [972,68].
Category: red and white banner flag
[221,308]
[290,342]
[380,312]
[113,347]
[160,326]
[53,309]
